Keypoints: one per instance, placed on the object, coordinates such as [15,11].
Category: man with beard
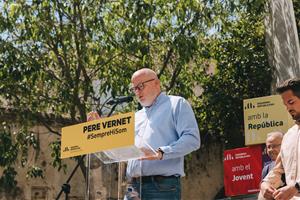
[168,124]
[288,160]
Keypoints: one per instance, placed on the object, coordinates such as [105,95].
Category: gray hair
[275,134]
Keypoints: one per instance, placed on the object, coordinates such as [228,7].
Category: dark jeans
[154,188]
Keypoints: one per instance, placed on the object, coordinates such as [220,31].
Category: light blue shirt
[169,124]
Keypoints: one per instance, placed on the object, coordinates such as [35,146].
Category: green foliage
[239,57]
[14,150]
[8,150]
[7,180]
[34,172]
[296,5]
[55,154]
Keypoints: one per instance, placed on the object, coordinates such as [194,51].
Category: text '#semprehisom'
[107,133]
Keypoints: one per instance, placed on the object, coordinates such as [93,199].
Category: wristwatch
[297,186]
[162,153]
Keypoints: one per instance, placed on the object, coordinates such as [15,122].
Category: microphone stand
[112,110]
[66,187]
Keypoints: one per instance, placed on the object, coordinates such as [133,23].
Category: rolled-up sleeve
[274,176]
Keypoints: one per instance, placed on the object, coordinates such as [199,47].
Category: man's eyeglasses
[140,86]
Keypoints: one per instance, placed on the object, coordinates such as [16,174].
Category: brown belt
[146,179]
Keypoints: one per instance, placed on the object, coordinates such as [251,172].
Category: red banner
[242,170]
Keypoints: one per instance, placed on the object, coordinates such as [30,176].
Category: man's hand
[150,156]
[285,193]
[267,191]
[92,116]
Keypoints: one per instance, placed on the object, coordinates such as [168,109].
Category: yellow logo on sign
[98,135]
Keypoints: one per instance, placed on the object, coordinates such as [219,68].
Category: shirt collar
[157,100]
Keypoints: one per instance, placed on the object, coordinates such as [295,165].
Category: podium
[106,170]
[115,142]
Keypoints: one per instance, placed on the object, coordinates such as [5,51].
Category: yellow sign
[263,115]
[98,135]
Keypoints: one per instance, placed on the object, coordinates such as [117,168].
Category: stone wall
[204,174]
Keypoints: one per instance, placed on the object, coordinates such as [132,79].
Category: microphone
[119,100]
